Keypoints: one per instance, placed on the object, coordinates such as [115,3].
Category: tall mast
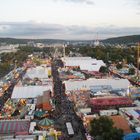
[138,60]
[64,50]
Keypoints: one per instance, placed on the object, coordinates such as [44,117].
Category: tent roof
[114,83]
[39,72]
[14,126]
[29,91]
[85,63]
[46,122]
[39,113]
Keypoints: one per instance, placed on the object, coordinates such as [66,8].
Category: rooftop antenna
[64,50]
[96,43]
[55,51]
[97,36]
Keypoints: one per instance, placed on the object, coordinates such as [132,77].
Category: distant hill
[118,40]
[123,39]
[24,41]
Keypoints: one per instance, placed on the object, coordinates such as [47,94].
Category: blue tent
[132,136]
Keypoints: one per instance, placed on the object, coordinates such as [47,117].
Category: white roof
[114,83]
[32,125]
[85,63]
[29,91]
[39,72]
[85,110]
[76,58]
[133,113]
[69,128]
[138,129]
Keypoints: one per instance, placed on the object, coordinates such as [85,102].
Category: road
[64,110]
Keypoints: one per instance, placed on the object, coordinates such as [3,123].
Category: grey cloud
[79,30]
[56,31]
[90,2]
[17,28]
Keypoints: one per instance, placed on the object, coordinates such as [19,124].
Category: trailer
[110,112]
[69,129]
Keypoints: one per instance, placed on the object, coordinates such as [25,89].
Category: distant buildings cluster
[8,48]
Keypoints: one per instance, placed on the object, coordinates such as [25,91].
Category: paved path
[64,111]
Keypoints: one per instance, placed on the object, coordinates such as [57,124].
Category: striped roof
[102,101]
[46,122]
[17,127]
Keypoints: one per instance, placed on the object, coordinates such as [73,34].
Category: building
[40,45]
[8,48]
[114,84]
[109,112]
[40,72]
[102,103]
[43,101]
[14,127]
[133,115]
[84,63]
[27,92]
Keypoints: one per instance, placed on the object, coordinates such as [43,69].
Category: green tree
[4,68]
[103,69]
[119,66]
[102,129]
[131,71]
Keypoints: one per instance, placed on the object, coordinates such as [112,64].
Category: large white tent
[85,63]
[114,83]
[38,72]
[29,91]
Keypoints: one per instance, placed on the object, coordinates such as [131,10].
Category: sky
[69,19]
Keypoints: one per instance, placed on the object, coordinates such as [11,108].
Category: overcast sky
[69,19]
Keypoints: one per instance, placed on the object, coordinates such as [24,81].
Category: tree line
[7,60]
[107,54]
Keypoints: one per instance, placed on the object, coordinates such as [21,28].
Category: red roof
[17,127]
[121,123]
[110,101]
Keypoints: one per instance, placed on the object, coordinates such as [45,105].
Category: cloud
[135,3]
[29,28]
[57,31]
[89,2]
